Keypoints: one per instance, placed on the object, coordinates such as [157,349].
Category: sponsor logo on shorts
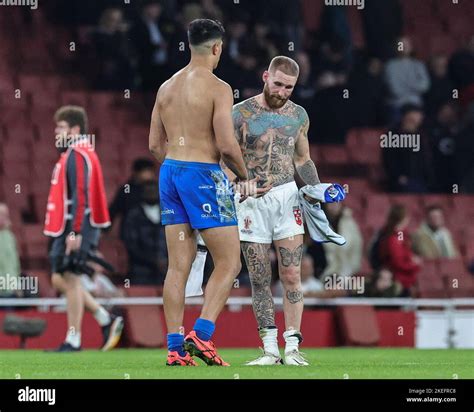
[167,212]
[297,215]
[207,208]
[247,223]
[206,187]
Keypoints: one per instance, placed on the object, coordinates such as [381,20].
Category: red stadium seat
[75,98]
[458,282]
[47,99]
[430,281]
[364,146]
[143,324]
[13,99]
[37,242]
[102,100]
[20,135]
[358,325]
[460,286]
[463,205]
[378,206]
[333,154]
[34,83]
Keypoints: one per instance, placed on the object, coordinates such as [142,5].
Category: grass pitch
[334,363]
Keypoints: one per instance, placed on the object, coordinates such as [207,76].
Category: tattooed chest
[270,156]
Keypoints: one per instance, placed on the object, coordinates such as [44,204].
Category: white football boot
[292,354]
[295,358]
[266,359]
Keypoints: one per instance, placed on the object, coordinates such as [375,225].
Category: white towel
[317,222]
[196,276]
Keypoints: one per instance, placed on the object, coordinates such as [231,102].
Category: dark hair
[395,216]
[73,115]
[410,107]
[142,163]
[203,30]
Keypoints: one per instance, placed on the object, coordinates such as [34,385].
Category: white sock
[269,338]
[73,338]
[292,340]
[102,316]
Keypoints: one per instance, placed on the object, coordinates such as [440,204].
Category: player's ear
[265,75]
[215,48]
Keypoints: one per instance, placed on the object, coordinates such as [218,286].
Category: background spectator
[130,194]
[9,259]
[406,77]
[342,260]
[433,239]
[383,23]
[144,239]
[465,154]
[395,249]
[442,140]
[461,69]
[408,169]
[113,52]
[150,36]
[382,285]
[441,86]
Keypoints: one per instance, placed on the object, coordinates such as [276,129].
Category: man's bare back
[186,103]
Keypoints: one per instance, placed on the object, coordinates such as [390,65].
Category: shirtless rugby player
[191,131]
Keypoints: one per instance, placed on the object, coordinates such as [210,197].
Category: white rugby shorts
[276,215]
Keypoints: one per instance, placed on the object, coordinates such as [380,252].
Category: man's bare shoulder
[162,90]
[220,86]
[297,111]
[245,107]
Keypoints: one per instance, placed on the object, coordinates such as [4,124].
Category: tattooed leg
[260,271]
[289,252]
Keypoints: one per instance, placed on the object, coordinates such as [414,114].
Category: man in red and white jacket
[75,213]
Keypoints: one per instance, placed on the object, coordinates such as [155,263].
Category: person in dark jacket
[129,195]
[150,36]
[144,239]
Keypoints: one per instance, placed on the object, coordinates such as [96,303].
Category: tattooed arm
[303,163]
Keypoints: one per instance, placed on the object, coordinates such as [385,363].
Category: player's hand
[249,188]
[73,243]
